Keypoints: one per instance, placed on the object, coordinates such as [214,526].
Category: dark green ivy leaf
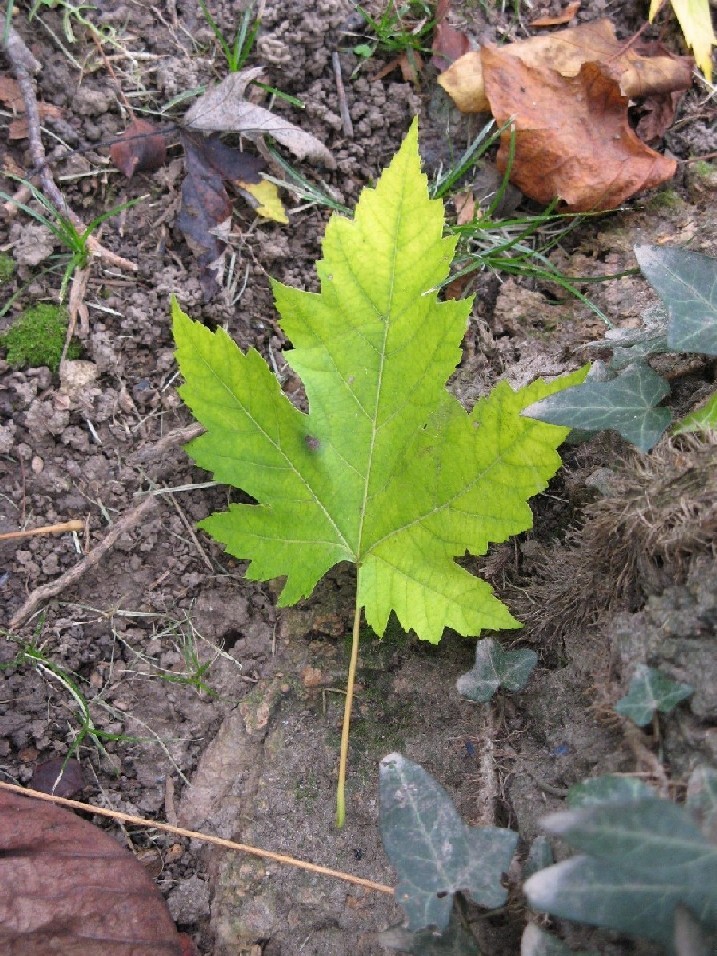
[536,942]
[626,404]
[701,800]
[608,789]
[496,668]
[646,858]
[651,690]
[432,849]
[687,284]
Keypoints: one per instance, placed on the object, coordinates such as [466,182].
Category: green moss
[37,337]
[665,199]
[703,169]
[7,267]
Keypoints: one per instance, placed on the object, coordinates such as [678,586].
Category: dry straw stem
[204,837]
[63,528]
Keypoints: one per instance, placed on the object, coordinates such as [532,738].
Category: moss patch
[37,337]
[7,267]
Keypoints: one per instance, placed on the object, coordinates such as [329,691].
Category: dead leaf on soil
[11,96]
[565,52]
[567,95]
[223,109]
[264,198]
[206,209]
[585,153]
[448,43]
[410,65]
[695,19]
[140,148]
[59,776]
[69,888]
[565,17]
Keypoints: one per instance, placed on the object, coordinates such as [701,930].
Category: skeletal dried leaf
[223,109]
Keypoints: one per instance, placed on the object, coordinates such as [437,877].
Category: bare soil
[251,754]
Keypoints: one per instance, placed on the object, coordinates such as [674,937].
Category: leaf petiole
[343,759]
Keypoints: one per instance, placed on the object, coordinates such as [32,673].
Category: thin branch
[74,525]
[25,66]
[128,521]
[204,837]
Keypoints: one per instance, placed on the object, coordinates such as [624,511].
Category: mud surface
[213,709]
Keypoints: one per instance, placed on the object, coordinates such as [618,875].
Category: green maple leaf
[387,470]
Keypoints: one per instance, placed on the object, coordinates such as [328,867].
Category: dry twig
[65,526]
[25,66]
[204,837]
[92,558]
[343,106]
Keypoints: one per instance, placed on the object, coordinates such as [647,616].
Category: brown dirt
[255,760]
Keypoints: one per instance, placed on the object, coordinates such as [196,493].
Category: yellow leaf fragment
[264,196]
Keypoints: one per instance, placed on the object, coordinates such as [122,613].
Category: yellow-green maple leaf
[387,470]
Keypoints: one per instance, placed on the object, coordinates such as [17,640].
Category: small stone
[37,464]
[189,901]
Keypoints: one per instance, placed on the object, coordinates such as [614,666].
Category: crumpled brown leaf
[70,889]
[567,96]
[555,21]
[223,109]
[565,52]
[585,153]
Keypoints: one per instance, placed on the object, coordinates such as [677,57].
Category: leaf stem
[340,795]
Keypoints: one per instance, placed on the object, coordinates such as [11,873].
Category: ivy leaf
[387,470]
[701,800]
[494,668]
[536,942]
[455,941]
[539,856]
[651,690]
[635,345]
[608,789]
[434,852]
[687,284]
[646,857]
[625,403]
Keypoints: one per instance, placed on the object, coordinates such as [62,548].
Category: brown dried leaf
[572,136]
[206,209]
[140,148]
[68,888]
[10,93]
[565,17]
[224,109]
[448,43]
[11,96]
[565,52]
